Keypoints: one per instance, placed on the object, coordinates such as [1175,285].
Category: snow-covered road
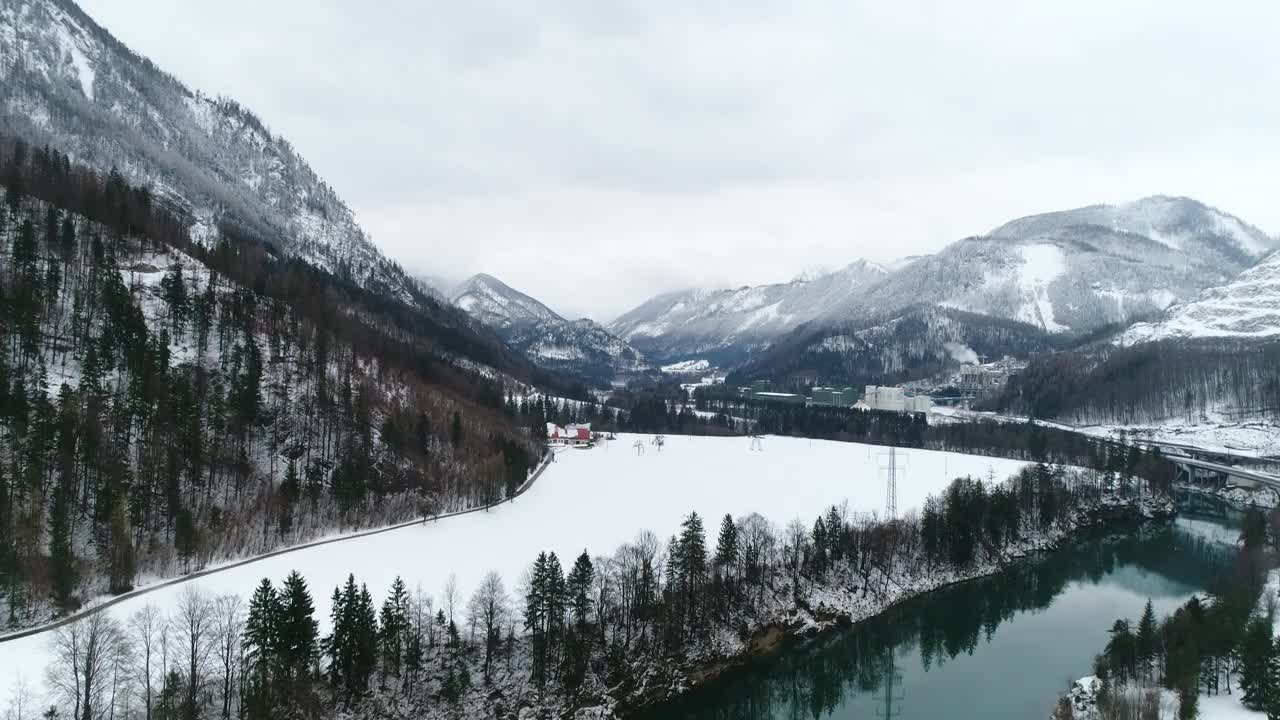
[593,499]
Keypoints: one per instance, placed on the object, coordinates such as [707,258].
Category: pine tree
[819,537]
[366,641]
[340,644]
[1145,640]
[535,622]
[1255,655]
[835,532]
[1270,696]
[578,638]
[1120,649]
[299,631]
[290,491]
[578,585]
[691,565]
[184,537]
[727,546]
[544,612]
[261,648]
[61,559]
[394,621]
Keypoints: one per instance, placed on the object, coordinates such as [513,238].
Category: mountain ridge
[1068,272]
[549,340]
[726,324]
[72,85]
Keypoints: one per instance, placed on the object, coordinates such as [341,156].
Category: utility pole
[891,488]
[891,494]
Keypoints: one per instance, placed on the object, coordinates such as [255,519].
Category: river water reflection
[996,648]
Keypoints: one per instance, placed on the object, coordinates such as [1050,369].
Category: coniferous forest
[164,404]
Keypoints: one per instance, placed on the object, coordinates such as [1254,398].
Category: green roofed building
[834,397]
[779,397]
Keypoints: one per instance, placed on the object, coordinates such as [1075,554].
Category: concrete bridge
[1195,470]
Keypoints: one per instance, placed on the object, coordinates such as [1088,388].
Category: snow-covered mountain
[725,325]
[498,305]
[1077,270]
[66,82]
[581,347]
[1246,308]
[1067,272]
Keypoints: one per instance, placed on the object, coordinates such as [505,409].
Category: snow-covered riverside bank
[595,499]
[1221,706]
[795,615]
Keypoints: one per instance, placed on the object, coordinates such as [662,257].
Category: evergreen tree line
[1206,646]
[569,634]
[1024,441]
[163,404]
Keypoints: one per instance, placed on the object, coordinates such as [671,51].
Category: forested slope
[1172,380]
[919,343]
[165,404]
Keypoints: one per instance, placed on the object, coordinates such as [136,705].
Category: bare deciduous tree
[488,609]
[21,700]
[146,627]
[193,624]
[451,595]
[88,656]
[228,621]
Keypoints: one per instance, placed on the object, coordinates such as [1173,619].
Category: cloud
[592,153]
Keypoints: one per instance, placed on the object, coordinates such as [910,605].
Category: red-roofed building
[569,435]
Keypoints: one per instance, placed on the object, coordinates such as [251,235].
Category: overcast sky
[593,153]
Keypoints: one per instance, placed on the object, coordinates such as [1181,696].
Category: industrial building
[979,379]
[895,399]
[763,390]
[780,397]
[834,397]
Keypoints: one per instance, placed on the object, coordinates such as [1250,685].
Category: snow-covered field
[594,499]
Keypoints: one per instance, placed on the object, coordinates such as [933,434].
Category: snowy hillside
[1247,307]
[916,344]
[577,347]
[724,325]
[612,494]
[66,82]
[205,405]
